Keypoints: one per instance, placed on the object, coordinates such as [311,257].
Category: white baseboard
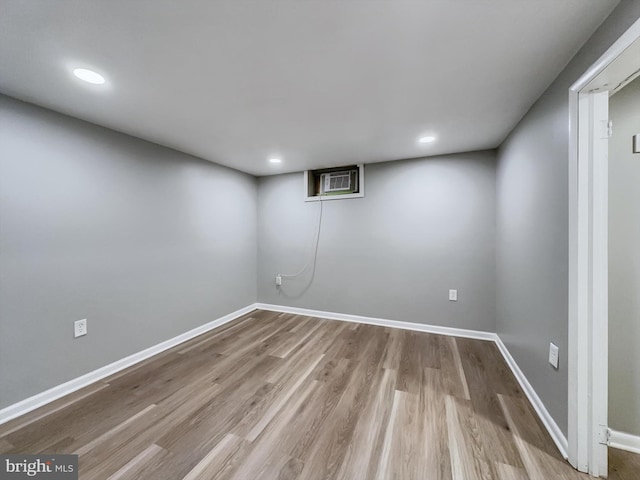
[547,420]
[552,427]
[381,322]
[71,386]
[624,441]
[40,399]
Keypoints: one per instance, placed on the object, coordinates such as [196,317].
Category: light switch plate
[453,295]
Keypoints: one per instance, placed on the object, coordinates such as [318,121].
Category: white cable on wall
[313,260]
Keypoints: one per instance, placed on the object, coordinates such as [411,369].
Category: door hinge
[604,434]
[607,129]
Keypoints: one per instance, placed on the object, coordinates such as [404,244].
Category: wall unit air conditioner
[335,181]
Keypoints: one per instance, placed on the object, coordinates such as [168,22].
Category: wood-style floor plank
[21,423]
[623,465]
[539,457]
[468,453]
[485,379]
[454,378]
[509,472]
[218,460]
[5,446]
[278,396]
[133,469]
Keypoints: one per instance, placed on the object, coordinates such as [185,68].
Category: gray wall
[143,241]
[424,226]
[532,225]
[624,262]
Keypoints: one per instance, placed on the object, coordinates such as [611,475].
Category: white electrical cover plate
[80,328]
[553,355]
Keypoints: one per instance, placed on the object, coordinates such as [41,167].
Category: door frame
[588,275]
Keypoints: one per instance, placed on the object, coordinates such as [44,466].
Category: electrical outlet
[278,280]
[553,355]
[79,328]
[453,295]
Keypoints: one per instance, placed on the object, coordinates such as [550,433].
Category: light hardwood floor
[279,396]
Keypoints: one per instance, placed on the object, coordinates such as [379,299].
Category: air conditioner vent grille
[338,181]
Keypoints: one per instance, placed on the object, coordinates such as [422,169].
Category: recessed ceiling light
[427,139]
[275,160]
[89,76]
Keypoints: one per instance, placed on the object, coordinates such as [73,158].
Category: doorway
[590,129]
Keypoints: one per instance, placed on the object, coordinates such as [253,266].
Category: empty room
[319,239]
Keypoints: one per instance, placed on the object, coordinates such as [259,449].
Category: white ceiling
[317,82]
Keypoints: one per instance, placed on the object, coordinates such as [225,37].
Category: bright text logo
[50,467]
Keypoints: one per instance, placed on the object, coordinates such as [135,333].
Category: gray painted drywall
[532,225]
[424,226]
[143,241]
[624,262]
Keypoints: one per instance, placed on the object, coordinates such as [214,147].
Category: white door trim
[588,282]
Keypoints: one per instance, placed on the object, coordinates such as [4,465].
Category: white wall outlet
[278,280]
[79,328]
[553,355]
[453,295]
